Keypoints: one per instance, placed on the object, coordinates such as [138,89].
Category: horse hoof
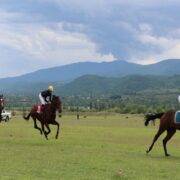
[147,151]
[46,137]
[167,155]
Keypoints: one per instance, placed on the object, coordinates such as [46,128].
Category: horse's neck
[1,108]
[1,103]
[52,108]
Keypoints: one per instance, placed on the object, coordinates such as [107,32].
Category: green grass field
[97,147]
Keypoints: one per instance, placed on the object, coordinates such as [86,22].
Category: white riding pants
[41,99]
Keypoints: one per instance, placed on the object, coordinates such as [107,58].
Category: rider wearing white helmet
[46,94]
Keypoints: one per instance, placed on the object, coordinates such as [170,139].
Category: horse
[167,123]
[1,106]
[48,116]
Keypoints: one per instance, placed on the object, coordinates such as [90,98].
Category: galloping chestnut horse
[1,106]
[167,123]
[48,116]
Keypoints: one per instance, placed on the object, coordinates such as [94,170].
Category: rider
[44,95]
[179,98]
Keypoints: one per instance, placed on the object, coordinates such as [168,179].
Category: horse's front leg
[35,125]
[57,124]
[0,115]
[48,128]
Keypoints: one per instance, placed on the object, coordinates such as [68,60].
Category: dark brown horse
[167,123]
[47,117]
[1,106]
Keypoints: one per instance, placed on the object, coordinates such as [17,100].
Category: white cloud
[47,47]
[164,47]
[44,33]
[94,5]
[172,53]
[146,28]
[169,49]
[6,16]
[160,42]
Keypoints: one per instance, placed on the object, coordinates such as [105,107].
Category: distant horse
[1,106]
[48,116]
[167,123]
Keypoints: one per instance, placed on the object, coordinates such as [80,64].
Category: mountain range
[106,76]
[116,68]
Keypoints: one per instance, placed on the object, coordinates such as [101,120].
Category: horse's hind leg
[35,125]
[160,131]
[170,133]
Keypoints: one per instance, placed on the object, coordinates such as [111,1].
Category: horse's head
[56,102]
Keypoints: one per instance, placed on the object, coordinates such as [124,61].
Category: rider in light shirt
[179,98]
[46,96]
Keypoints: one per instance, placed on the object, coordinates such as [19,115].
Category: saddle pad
[39,109]
[177,117]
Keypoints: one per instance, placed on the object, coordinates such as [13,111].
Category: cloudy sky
[37,34]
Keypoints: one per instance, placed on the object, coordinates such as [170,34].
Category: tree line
[144,102]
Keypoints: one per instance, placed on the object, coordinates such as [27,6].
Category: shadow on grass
[162,157]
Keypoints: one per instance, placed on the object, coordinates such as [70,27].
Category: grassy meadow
[101,147]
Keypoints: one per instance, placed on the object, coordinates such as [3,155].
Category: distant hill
[97,86]
[97,78]
[70,72]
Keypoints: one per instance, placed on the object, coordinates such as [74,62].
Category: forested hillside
[102,86]
[134,93]
[118,86]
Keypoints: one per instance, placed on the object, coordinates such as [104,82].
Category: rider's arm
[46,99]
[50,97]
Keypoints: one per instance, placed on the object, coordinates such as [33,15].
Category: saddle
[40,108]
[177,117]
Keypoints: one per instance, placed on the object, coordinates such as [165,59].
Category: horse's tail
[27,117]
[152,117]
